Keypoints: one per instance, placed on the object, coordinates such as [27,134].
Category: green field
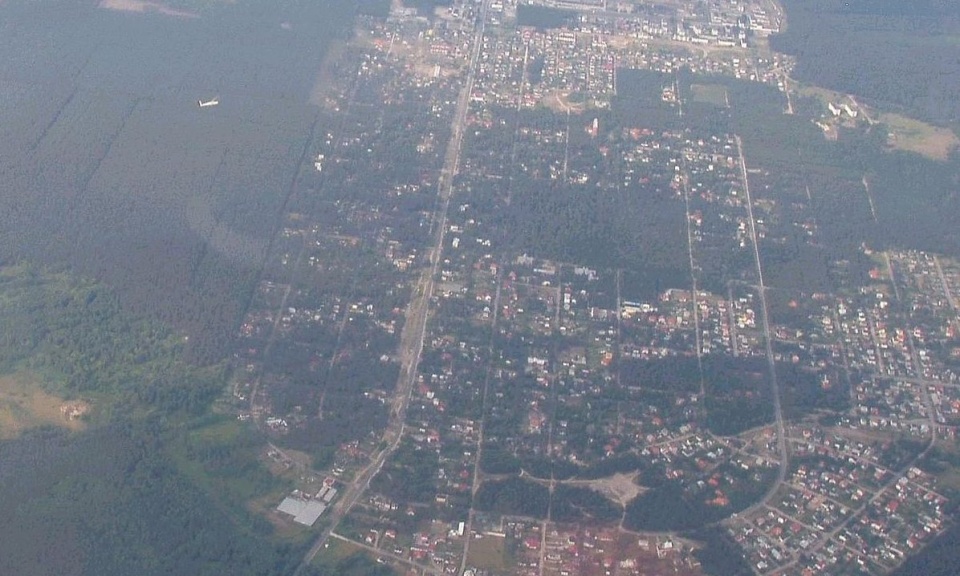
[715,94]
[335,551]
[913,135]
[341,558]
[24,405]
[489,553]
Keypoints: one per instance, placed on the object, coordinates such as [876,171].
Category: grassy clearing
[220,456]
[489,553]
[710,94]
[822,94]
[24,405]
[560,101]
[915,136]
[907,134]
[334,551]
[949,479]
[146,6]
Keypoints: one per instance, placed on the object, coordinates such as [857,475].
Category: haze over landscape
[479,287]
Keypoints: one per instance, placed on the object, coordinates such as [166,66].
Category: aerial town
[519,408]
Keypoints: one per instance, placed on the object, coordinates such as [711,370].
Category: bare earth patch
[24,405]
[907,134]
[915,136]
[863,434]
[558,102]
[621,488]
[146,6]
[426,70]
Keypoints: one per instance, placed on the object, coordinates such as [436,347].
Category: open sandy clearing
[916,136]
[146,6]
[24,405]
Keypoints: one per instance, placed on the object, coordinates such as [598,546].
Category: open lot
[710,94]
[24,405]
[621,488]
[144,6]
[489,553]
[915,136]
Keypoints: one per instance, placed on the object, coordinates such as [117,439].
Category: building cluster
[305,508]
[855,498]
[541,368]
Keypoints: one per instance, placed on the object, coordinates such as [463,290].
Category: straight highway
[414,329]
[768,340]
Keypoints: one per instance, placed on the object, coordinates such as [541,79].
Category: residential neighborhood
[548,395]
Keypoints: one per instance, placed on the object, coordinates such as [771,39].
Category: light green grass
[710,94]
[24,404]
[489,553]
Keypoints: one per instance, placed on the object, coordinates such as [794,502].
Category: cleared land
[24,405]
[489,553]
[146,6]
[823,94]
[336,550]
[915,136]
[907,134]
[621,488]
[710,94]
[560,102]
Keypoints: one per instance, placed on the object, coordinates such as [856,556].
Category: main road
[415,325]
[765,318]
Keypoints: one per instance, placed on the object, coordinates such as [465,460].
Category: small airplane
[211,102]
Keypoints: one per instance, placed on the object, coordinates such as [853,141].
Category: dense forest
[543,17]
[664,508]
[109,502]
[130,252]
[720,555]
[410,476]
[75,334]
[938,559]
[899,55]
[122,178]
[791,155]
[602,229]
[133,493]
[669,505]
[513,496]
[578,504]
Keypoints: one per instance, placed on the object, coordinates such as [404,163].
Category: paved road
[414,330]
[693,283]
[826,537]
[946,285]
[379,552]
[896,475]
[483,411]
[765,318]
